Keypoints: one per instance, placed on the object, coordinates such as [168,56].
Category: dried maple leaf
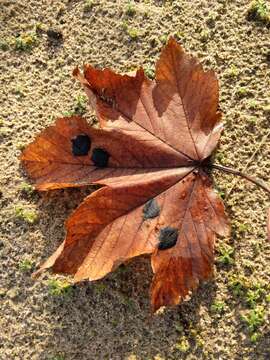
[150,156]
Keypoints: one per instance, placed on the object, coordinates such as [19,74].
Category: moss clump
[29,216]
[238,284]
[100,287]
[254,296]
[80,105]
[254,105]
[183,345]
[218,307]
[19,91]
[68,113]
[226,255]
[241,92]
[88,5]
[133,33]
[259,11]
[149,72]
[4,45]
[254,318]
[204,35]
[20,146]
[26,265]
[59,288]
[26,41]
[130,9]
[232,72]
[26,188]
[163,39]
[79,108]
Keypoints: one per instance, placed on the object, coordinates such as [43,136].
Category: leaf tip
[76,72]
[173,43]
[37,273]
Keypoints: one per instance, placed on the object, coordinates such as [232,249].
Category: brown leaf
[150,154]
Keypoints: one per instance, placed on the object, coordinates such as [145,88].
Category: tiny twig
[249,160]
[252,179]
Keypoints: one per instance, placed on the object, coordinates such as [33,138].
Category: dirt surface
[228,317]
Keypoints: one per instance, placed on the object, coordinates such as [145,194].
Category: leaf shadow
[111,318]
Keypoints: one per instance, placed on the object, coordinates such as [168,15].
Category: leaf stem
[258,147]
[252,179]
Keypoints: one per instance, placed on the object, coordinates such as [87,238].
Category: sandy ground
[110,319]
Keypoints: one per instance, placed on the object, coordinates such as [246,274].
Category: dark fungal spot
[151,209]
[81,145]
[100,157]
[167,237]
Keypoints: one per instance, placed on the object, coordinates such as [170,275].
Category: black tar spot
[151,209]
[167,237]
[81,145]
[100,157]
